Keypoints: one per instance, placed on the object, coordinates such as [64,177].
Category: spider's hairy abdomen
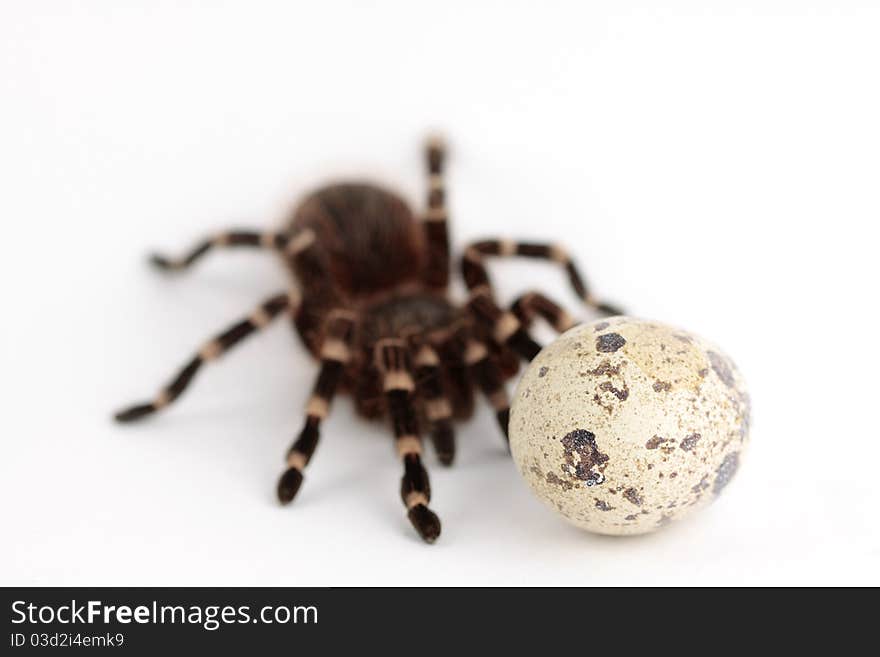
[370,237]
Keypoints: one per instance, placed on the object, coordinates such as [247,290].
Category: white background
[712,165]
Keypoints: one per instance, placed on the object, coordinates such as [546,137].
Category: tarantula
[371,302]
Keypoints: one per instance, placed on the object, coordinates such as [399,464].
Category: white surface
[715,168]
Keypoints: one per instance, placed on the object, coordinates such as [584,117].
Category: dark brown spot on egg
[662,386]
[703,485]
[666,445]
[688,444]
[746,409]
[553,478]
[602,505]
[543,371]
[721,367]
[621,394]
[605,368]
[583,459]
[725,472]
[654,442]
[632,495]
[609,343]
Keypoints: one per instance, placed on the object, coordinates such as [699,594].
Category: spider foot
[504,422]
[425,521]
[288,484]
[134,413]
[163,263]
[444,443]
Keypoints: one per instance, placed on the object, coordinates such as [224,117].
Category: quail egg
[623,425]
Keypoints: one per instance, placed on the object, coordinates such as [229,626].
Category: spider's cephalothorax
[370,301]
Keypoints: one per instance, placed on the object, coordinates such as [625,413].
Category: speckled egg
[624,425]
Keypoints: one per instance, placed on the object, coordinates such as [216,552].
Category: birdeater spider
[370,300]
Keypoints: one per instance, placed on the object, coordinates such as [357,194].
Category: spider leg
[436,273]
[232,238]
[212,349]
[392,359]
[505,327]
[489,379]
[475,275]
[311,265]
[532,304]
[335,355]
[438,409]
[455,373]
